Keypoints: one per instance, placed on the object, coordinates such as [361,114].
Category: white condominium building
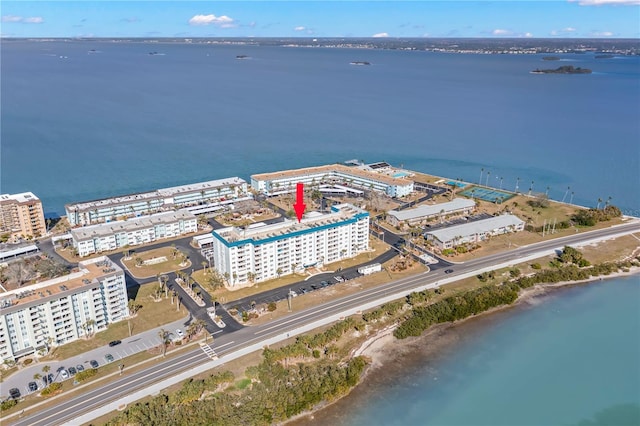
[141,230]
[261,252]
[213,193]
[473,232]
[62,309]
[285,181]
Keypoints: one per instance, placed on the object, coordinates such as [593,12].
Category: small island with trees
[565,69]
[360,63]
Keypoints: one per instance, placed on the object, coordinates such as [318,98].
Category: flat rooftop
[476,227]
[129,225]
[23,197]
[156,194]
[332,169]
[432,209]
[90,271]
[258,232]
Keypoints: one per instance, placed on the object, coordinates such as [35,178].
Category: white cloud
[564,31]
[33,20]
[606,2]
[299,28]
[11,18]
[501,32]
[380,35]
[527,35]
[29,20]
[222,21]
[601,34]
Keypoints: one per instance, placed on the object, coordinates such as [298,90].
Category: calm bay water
[78,126]
[571,357]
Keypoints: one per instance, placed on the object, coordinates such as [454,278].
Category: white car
[180,333]
[64,374]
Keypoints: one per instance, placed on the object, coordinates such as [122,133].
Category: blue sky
[454,18]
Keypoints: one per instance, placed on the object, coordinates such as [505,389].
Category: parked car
[304,290]
[50,378]
[114,343]
[180,333]
[323,283]
[314,287]
[93,363]
[108,358]
[14,393]
[64,374]
[72,371]
[33,386]
[79,367]
[448,271]
[338,278]
[293,293]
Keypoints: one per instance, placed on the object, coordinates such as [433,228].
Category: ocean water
[571,357]
[78,126]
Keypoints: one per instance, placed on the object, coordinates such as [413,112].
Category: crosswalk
[208,351]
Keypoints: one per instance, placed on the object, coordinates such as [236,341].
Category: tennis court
[487,194]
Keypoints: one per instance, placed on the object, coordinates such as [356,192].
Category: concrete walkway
[129,346]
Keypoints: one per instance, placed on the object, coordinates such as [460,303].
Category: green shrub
[9,403]
[51,389]
[272,306]
[86,374]
[536,266]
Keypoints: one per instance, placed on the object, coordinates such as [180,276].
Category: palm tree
[37,376]
[517,183]
[163,341]
[599,201]
[608,202]
[571,199]
[481,171]
[547,192]
[487,182]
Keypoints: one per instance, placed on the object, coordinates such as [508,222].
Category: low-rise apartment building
[285,181]
[219,192]
[261,252]
[62,309]
[141,230]
[473,232]
[430,211]
[21,216]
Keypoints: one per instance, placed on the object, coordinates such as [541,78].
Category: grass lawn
[151,315]
[171,264]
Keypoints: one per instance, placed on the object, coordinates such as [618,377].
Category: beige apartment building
[21,216]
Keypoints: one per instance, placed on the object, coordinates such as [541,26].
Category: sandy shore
[384,350]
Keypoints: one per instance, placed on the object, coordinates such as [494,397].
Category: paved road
[249,338]
[129,346]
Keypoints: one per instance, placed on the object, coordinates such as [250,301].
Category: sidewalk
[129,346]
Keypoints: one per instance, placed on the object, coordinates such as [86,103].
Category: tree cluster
[591,217]
[455,308]
[275,394]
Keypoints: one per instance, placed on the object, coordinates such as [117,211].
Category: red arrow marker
[299,206]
